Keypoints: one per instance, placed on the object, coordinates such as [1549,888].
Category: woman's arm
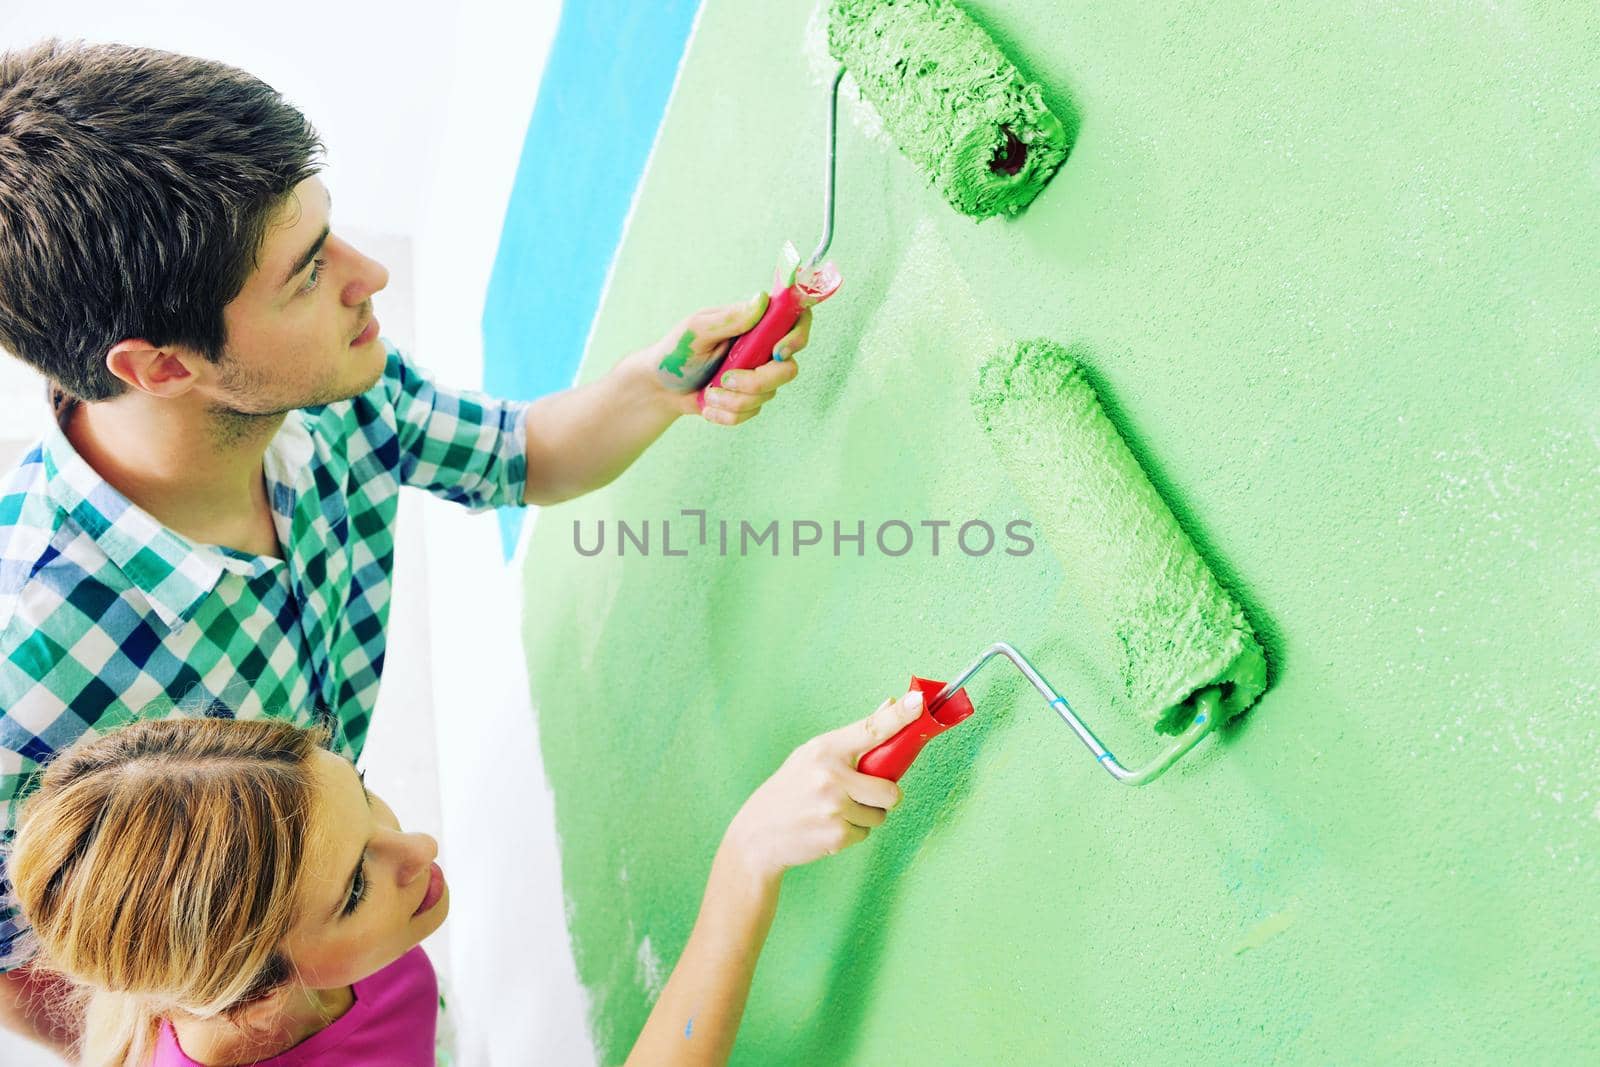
[816,804]
[698,1014]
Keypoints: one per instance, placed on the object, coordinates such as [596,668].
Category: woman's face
[370,893]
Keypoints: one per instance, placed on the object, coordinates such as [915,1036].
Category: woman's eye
[358,890]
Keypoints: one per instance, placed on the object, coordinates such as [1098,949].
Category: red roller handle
[894,757]
[805,288]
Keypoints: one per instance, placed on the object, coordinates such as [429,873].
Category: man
[209,528]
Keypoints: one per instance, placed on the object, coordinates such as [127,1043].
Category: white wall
[423,108]
[512,960]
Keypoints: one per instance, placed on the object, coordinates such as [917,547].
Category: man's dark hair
[135,189]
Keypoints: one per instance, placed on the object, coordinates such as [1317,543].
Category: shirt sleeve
[461,445]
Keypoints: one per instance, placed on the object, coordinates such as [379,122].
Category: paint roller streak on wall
[955,105]
[1124,556]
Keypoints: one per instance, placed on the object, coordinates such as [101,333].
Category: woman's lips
[435,890]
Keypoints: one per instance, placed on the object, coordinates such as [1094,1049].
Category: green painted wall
[1333,267]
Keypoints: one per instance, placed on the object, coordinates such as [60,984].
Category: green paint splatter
[682,371]
[675,360]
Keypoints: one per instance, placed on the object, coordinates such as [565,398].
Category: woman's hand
[814,805]
[817,803]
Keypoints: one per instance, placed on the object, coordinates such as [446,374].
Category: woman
[229,892]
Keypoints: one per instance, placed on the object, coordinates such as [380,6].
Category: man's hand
[581,438]
[687,357]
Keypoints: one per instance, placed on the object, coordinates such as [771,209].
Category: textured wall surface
[1333,270]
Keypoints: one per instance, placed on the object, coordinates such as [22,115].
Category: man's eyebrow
[350,883]
[310,253]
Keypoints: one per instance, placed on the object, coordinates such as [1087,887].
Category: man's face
[301,332]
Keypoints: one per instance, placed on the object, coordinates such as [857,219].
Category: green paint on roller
[956,106]
[1124,558]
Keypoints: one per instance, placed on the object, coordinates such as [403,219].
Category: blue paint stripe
[604,92]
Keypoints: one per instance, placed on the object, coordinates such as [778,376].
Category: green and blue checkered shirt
[107,616]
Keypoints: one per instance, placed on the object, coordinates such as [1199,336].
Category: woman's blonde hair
[159,866]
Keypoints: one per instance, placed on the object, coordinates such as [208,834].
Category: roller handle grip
[894,757]
[754,347]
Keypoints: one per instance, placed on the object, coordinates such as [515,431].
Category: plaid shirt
[106,615]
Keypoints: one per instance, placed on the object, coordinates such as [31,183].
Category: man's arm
[39,1006]
[582,438]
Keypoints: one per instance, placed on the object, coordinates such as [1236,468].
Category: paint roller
[958,109]
[1180,646]
[952,101]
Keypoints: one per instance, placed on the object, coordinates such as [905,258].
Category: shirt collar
[288,458]
[174,573]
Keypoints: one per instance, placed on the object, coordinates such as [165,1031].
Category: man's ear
[161,372]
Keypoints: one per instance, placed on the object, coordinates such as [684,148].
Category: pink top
[391,1024]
